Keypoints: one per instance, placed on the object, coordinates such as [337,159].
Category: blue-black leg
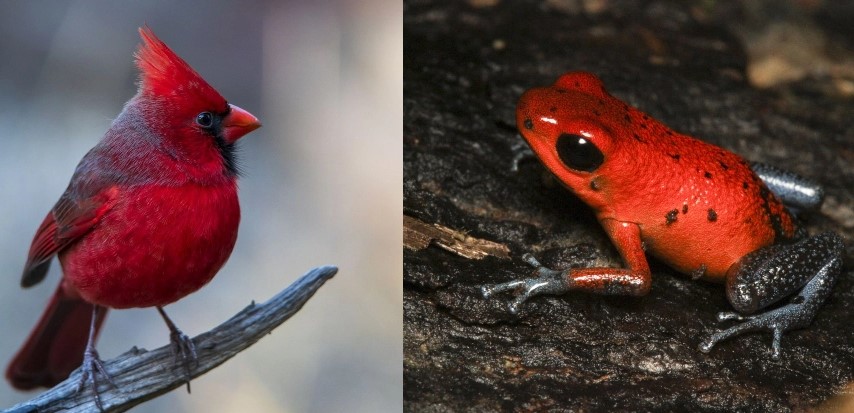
[794,190]
[548,282]
[771,274]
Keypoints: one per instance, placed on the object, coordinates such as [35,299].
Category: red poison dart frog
[696,207]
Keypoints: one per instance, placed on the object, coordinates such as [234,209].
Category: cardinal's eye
[204,119]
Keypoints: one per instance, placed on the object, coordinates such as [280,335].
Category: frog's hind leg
[796,192]
[772,273]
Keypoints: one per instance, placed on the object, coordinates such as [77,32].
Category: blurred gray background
[322,183]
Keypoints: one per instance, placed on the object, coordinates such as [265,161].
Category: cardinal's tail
[55,346]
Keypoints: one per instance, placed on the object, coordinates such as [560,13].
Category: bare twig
[142,375]
[418,235]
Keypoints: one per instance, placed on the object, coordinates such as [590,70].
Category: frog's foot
[548,282]
[521,151]
[788,317]
[769,274]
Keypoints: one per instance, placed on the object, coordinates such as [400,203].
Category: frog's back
[700,207]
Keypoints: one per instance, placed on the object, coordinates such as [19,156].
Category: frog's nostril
[529,124]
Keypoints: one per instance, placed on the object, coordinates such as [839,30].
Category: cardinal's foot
[93,367]
[184,352]
[183,349]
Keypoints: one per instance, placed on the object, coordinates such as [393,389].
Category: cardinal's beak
[237,123]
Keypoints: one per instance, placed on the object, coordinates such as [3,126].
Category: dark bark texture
[465,65]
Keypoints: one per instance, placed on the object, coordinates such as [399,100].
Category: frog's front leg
[772,273]
[635,280]
[521,151]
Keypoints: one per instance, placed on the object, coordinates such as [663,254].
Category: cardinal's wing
[73,216]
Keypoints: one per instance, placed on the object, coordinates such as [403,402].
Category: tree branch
[142,375]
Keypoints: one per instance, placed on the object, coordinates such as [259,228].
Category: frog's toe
[521,152]
[775,343]
[730,315]
[707,345]
[516,305]
[533,287]
[548,282]
[526,289]
[489,290]
[529,258]
[747,326]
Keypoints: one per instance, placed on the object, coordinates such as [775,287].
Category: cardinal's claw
[92,365]
[184,353]
[183,349]
[91,368]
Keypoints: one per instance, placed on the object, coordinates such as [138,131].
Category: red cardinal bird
[150,216]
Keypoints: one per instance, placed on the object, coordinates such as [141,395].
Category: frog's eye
[577,152]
